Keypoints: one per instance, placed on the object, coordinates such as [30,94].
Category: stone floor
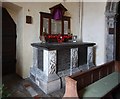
[16,87]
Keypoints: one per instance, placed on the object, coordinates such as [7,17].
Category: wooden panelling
[96,75]
[84,79]
[103,72]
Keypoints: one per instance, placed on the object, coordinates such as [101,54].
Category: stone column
[35,57]
[49,82]
[90,57]
[47,79]
[73,60]
[49,62]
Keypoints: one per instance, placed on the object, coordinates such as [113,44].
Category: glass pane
[56,27]
[45,25]
[66,27]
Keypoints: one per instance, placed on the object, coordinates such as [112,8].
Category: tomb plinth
[53,61]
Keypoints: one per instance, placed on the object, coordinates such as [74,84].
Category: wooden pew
[81,80]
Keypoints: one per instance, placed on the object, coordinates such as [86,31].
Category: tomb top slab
[57,46]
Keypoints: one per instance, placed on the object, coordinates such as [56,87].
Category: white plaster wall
[94,27]
[19,44]
[29,33]
[32,31]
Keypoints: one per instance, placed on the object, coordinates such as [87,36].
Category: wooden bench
[96,82]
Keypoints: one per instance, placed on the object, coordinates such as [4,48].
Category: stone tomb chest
[53,61]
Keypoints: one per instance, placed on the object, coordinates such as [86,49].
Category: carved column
[35,57]
[45,76]
[73,59]
[49,62]
[90,56]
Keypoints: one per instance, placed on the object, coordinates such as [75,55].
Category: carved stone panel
[49,62]
[35,57]
[52,62]
[74,57]
[90,56]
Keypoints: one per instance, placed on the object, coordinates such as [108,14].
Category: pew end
[71,88]
[81,80]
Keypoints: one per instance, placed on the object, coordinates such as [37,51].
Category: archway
[8,43]
[16,13]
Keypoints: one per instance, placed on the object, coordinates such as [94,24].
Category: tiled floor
[16,87]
